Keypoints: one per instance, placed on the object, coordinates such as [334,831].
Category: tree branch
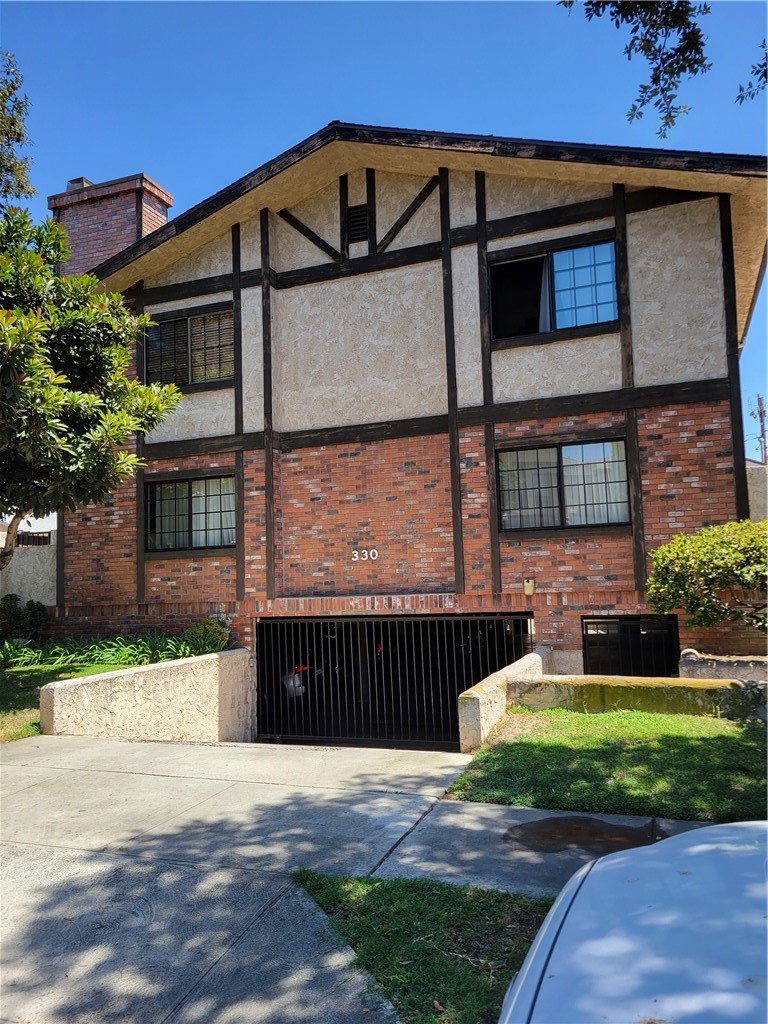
[6,554]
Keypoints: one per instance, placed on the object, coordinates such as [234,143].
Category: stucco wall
[203,700]
[757,488]
[31,574]
[253,360]
[466,322]
[676,293]
[558,368]
[394,193]
[215,257]
[360,350]
[507,195]
[199,414]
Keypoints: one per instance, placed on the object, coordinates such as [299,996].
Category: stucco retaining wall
[205,700]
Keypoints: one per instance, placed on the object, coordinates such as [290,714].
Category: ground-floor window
[632,645]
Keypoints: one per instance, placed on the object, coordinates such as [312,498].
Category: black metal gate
[631,645]
[392,682]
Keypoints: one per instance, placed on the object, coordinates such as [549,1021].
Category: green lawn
[440,953]
[626,762]
[20,696]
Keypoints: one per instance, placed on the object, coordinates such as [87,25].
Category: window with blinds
[191,350]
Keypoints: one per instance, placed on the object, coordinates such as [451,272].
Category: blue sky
[198,94]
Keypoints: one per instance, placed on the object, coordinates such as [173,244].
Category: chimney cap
[75,184]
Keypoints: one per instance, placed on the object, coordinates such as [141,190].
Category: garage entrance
[389,681]
[631,645]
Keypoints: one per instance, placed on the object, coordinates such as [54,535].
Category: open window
[560,290]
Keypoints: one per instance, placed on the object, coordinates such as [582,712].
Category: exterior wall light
[529,586]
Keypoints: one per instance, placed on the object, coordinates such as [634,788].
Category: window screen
[191,350]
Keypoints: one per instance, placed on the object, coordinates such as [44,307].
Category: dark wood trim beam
[622,288]
[391,260]
[370,202]
[484,298]
[192,554]
[492,478]
[656,198]
[205,446]
[483,289]
[564,334]
[519,252]
[186,311]
[309,234]
[565,532]
[239,528]
[266,347]
[598,401]
[138,309]
[635,480]
[164,475]
[451,384]
[362,432]
[343,253]
[188,289]
[569,437]
[141,585]
[60,578]
[237,328]
[732,358]
[407,214]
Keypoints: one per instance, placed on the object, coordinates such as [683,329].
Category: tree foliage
[716,575]
[67,404]
[669,36]
[14,168]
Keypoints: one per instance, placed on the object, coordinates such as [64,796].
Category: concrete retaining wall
[206,700]
[713,666]
[531,682]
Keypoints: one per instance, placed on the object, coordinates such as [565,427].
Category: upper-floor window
[554,291]
[185,514]
[194,349]
[563,486]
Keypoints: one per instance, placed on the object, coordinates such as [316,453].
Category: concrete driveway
[149,883]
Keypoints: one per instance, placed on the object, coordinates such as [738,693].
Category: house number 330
[364,554]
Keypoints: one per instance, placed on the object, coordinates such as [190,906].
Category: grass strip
[442,954]
[20,696]
[626,762]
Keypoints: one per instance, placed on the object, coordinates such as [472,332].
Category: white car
[668,934]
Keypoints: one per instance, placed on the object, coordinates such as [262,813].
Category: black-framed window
[563,289]
[186,514]
[194,349]
[564,486]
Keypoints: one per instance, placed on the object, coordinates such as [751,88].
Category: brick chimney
[103,219]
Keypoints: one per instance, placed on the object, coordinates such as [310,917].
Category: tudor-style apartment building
[464,384]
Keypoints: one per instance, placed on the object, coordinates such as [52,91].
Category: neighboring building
[757,487]
[490,375]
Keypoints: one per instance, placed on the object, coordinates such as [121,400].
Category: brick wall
[391,496]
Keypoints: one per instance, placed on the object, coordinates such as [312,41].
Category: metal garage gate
[391,682]
[631,645]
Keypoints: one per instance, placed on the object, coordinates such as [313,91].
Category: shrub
[715,575]
[207,637]
[20,622]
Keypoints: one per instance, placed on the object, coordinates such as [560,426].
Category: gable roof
[341,146]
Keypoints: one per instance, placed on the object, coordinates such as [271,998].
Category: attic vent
[357,223]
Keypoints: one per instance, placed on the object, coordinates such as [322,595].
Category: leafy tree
[716,575]
[67,405]
[669,36]
[14,169]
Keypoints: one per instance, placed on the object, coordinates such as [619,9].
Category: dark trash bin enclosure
[377,681]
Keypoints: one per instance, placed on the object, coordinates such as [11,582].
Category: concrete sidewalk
[149,883]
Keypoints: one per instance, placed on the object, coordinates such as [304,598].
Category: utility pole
[761,428]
